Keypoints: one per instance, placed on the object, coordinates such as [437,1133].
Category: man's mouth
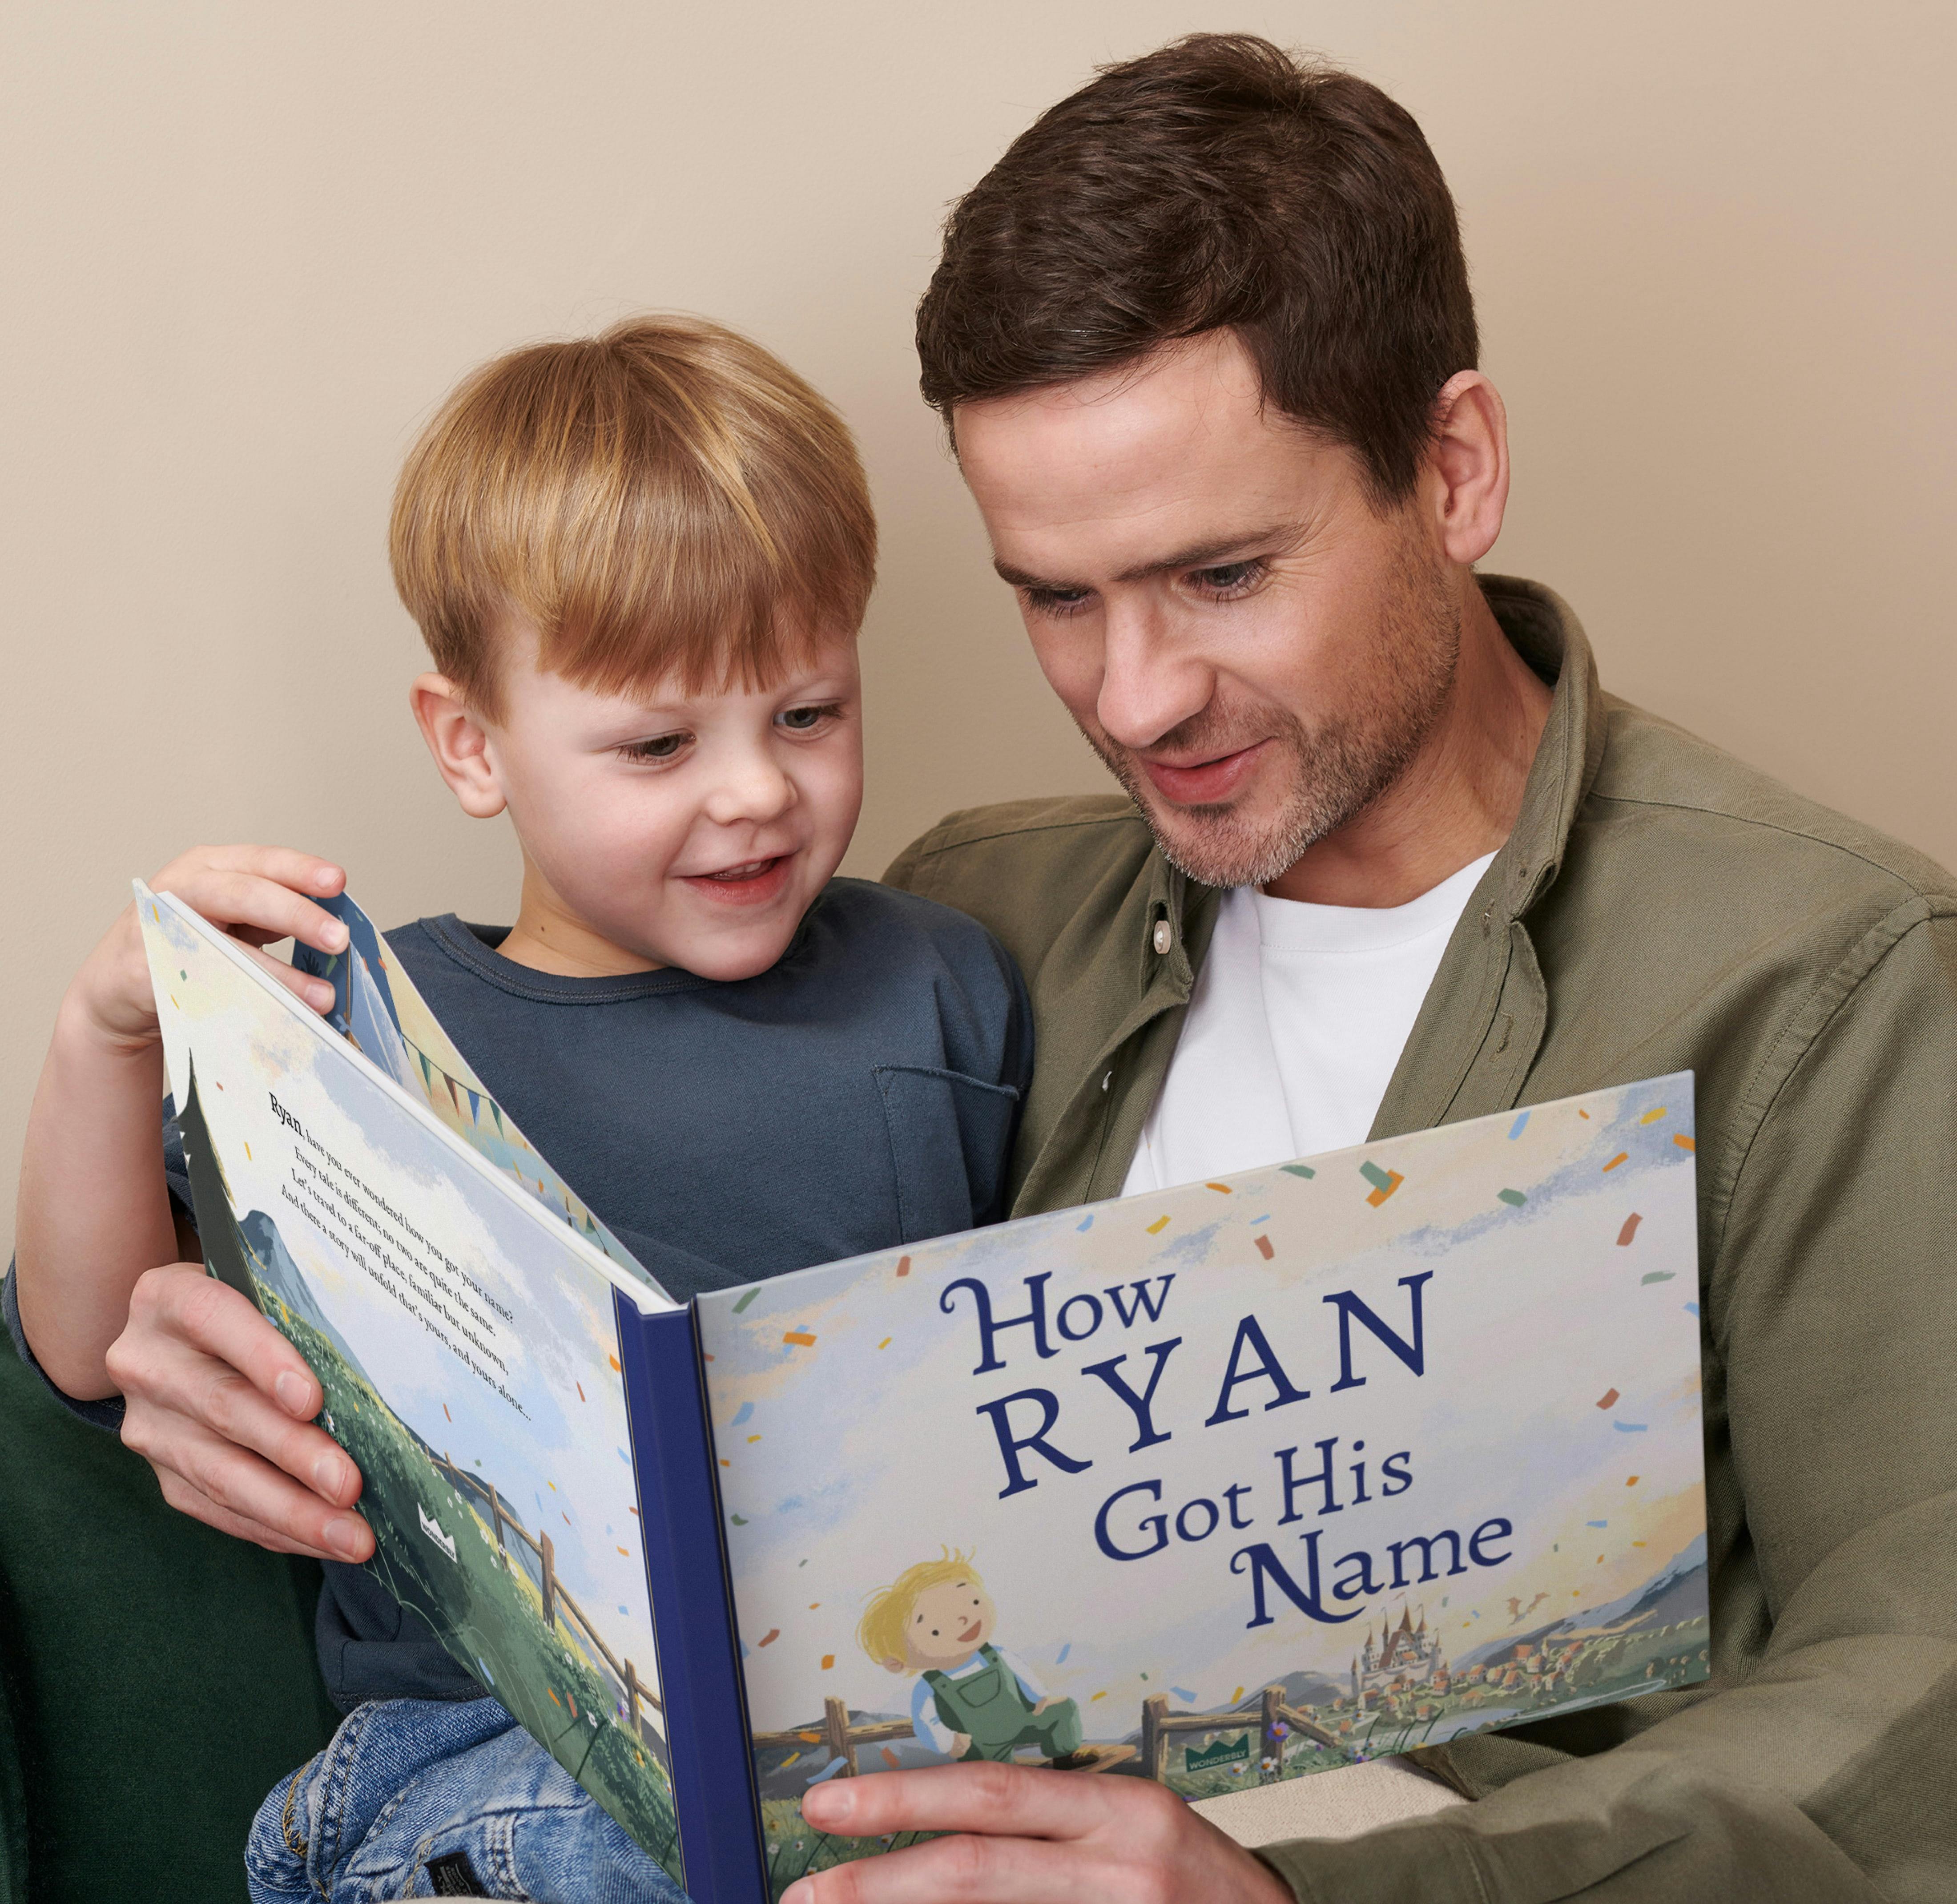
[970,1634]
[751,883]
[1202,783]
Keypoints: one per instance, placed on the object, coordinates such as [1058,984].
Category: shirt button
[1164,936]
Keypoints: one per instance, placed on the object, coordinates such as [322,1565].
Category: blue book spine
[699,1667]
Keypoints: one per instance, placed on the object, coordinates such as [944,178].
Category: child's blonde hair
[881,1632]
[668,497]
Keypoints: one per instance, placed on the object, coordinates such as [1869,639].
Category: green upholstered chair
[156,1678]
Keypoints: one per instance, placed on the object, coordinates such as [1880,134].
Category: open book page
[467,1342]
[377,1009]
[1249,1479]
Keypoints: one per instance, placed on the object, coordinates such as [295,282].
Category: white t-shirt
[1298,1017]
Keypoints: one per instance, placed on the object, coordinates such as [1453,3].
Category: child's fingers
[259,891]
[318,993]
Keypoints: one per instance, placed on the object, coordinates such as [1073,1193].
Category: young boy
[973,1700]
[639,562]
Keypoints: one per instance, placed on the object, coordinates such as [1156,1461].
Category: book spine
[706,1709]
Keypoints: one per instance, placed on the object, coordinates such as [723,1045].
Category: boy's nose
[753,792]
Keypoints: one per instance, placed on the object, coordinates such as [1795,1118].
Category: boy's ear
[460,743]
[893,1665]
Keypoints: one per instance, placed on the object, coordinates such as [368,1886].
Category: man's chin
[1220,845]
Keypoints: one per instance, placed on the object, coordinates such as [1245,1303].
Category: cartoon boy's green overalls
[991,1708]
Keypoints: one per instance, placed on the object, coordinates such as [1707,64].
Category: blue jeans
[422,1798]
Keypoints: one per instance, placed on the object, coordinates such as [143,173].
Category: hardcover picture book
[1227,1484]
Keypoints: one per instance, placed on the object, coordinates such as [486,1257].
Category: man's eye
[806,720]
[1232,578]
[660,747]
[1057,602]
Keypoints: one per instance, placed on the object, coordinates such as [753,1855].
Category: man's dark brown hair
[1216,182]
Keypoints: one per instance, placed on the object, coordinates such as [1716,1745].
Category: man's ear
[460,742]
[1465,481]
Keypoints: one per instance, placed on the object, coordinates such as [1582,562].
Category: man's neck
[1457,800]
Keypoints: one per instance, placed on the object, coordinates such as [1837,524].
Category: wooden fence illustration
[839,1736]
[557,1604]
[1157,1722]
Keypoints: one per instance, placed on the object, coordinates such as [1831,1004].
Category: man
[1204,341]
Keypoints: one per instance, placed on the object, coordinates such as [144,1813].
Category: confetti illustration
[1682,1141]
[801,1338]
[1652,1116]
[1622,1156]
[1222,1189]
[1297,1170]
[1384,1182]
[747,1298]
[1629,1428]
[1085,1222]
[1159,1226]
[1519,1127]
[1264,1249]
[1630,1230]
[742,1415]
[1608,1399]
[903,1266]
[1515,1199]
[1656,1275]
[768,1638]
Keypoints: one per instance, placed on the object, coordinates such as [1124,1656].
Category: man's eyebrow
[1202,555]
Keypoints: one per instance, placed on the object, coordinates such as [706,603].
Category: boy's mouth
[970,1634]
[752,883]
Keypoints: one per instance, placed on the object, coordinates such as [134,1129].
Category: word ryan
[1025,1424]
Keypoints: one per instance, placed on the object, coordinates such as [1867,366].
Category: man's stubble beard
[1338,769]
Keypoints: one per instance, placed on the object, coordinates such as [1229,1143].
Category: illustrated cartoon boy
[973,1700]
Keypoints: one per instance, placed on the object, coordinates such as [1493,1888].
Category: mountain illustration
[279,1274]
[1676,1592]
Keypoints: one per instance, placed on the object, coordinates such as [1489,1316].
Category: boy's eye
[660,747]
[806,720]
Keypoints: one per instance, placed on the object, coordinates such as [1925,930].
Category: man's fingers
[1019,1801]
[180,1494]
[966,1870]
[181,1299]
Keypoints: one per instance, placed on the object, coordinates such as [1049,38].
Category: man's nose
[1150,683]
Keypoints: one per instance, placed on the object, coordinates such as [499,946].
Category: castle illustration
[1403,1655]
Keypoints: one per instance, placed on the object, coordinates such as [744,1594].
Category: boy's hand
[258,894]
[221,1405]
[1027,1837]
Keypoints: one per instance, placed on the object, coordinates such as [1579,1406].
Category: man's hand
[1029,1837]
[221,1405]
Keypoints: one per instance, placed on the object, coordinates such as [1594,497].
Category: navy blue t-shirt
[860,1093]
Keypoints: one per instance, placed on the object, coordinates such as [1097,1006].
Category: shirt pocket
[950,1135]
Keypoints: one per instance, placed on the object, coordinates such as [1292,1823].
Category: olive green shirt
[1658,907]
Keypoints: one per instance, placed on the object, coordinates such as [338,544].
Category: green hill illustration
[448,1545]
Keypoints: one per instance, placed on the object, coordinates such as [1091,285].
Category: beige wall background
[248,246]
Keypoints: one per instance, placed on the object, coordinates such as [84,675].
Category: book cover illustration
[377,1009]
[465,1336]
[1248,1479]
